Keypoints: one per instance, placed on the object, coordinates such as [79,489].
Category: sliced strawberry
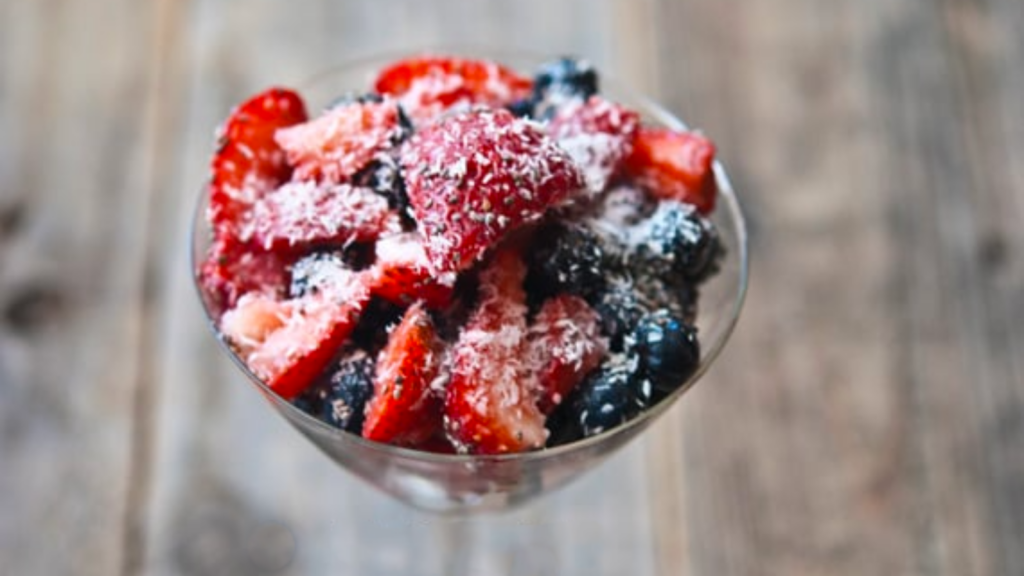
[303,214]
[252,320]
[401,275]
[288,344]
[229,271]
[675,165]
[489,402]
[474,177]
[565,344]
[342,141]
[598,134]
[248,162]
[404,409]
[429,85]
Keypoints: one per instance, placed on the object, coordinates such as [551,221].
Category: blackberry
[679,298]
[316,271]
[620,310]
[624,206]
[563,425]
[340,398]
[610,396]
[676,244]
[668,351]
[566,258]
[370,332]
[565,77]
[383,176]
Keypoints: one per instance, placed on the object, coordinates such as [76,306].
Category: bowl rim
[726,198]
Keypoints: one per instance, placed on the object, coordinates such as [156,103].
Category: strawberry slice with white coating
[489,401]
[565,344]
[288,344]
[304,214]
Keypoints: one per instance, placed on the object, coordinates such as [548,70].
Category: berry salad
[463,258]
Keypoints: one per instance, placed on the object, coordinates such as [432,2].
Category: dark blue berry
[676,244]
[668,350]
[566,258]
[340,398]
[370,332]
[565,77]
[522,108]
[383,176]
[610,396]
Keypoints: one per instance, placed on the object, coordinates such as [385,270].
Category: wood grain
[71,194]
[867,417]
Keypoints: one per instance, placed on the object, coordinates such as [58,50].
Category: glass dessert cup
[472,483]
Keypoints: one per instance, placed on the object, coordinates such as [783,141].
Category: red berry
[230,270]
[429,85]
[489,401]
[342,141]
[404,409]
[565,345]
[288,344]
[475,176]
[598,134]
[675,165]
[248,162]
[303,214]
[401,275]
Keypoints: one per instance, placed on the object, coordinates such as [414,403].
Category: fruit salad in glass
[465,282]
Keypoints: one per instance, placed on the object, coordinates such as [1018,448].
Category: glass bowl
[471,483]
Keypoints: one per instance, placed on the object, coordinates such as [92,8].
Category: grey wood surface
[867,417]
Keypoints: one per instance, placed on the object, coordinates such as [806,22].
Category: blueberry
[676,244]
[566,77]
[383,176]
[522,108]
[340,398]
[566,258]
[668,350]
[610,396]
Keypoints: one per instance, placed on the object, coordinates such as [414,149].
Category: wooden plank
[221,462]
[800,450]
[864,418]
[983,248]
[73,79]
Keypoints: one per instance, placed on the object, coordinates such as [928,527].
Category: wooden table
[867,417]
